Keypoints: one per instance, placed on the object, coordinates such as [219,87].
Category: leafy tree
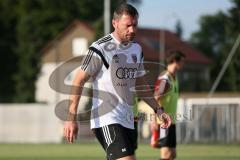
[26,26]
[208,38]
[39,21]
[233,32]
[216,37]
[179,28]
[8,19]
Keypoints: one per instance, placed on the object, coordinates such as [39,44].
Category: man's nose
[132,29]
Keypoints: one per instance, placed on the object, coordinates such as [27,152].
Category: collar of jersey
[119,43]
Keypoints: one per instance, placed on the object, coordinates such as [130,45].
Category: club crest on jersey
[134,58]
[116,58]
[110,46]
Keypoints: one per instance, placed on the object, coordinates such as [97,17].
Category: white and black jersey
[114,68]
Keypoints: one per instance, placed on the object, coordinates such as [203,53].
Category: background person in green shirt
[166,92]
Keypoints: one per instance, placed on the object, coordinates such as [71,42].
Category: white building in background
[70,43]
[38,122]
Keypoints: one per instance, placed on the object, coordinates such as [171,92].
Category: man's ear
[114,23]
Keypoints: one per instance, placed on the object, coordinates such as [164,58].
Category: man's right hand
[163,118]
[166,120]
[70,130]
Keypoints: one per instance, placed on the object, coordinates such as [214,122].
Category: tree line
[26,26]
[215,38]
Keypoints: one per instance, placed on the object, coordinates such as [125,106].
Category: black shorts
[117,140]
[167,137]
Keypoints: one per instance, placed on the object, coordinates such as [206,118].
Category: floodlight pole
[162,45]
[107,16]
[224,68]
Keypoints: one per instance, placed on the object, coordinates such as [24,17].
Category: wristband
[158,108]
[71,117]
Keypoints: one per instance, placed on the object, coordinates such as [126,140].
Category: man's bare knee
[165,153]
[173,153]
[168,153]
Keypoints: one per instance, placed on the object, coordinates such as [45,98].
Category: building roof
[66,31]
[150,42]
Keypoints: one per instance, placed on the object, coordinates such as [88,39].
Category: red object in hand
[155,138]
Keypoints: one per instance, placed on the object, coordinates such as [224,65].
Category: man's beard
[128,38]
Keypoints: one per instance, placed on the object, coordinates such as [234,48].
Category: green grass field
[93,151]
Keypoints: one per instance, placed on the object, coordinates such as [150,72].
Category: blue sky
[164,13]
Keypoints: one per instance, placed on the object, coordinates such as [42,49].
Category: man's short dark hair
[125,8]
[175,55]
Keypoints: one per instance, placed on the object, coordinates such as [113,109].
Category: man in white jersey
[115,63]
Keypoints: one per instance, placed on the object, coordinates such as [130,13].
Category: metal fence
[200,120]
[214,120]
